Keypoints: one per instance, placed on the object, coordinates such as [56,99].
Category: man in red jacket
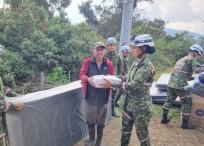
[96,98]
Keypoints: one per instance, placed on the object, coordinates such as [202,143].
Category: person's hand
[123,87]
[6,106]
[19,106]
[90,81]
[202,69]
[122,78]
[107,84]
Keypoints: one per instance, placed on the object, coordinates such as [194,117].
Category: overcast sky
[181,14]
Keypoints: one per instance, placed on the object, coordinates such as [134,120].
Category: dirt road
[161,135]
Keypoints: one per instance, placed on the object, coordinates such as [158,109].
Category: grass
[157,110]
[174,112]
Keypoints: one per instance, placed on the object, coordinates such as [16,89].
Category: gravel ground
[161,135]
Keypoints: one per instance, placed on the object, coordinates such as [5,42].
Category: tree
[22,23]
[106,20]
[38,52]
[201,42]
[88,12]
[6,74]
[16,68]
[154,28]
[75,43]
[50,6]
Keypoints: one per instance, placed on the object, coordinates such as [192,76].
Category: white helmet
[145,41]
[125,49]
[111,41]
[197,48]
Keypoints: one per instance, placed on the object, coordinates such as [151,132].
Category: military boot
[145,143]
[185,122]
[99,139]
[91,129]
[165,119]
[113,110]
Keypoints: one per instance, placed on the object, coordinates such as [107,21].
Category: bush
[58,76]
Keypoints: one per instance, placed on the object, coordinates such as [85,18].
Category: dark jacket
[84,73]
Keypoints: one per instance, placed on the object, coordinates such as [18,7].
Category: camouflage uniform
[181,74]
[197,86]
[124,73]
[137,108]
[11,107]
[124,66]
[1,95]
[2,120]
[116,60]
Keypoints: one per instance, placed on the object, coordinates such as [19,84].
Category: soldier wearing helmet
[4,105]
[116,60]
[137,108]
[182,72]
[197,86]
[125,53]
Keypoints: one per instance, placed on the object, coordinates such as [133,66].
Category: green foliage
[105,19]
[36,41]
[175,111]
[6,74]
[39,51]
[22,22]
[50,6]
[17,67]
[202,44]
[154,28]
[58,76]
[75,43]
[169,49]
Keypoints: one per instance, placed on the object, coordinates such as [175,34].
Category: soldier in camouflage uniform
[116,60]
[197,86]
[180,76]
[5,106]
[137,108]
[125,53]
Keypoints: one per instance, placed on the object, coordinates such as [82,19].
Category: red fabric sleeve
[110,67]
[84,69]
[83,75]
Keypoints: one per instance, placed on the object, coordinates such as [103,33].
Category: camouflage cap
[100,44]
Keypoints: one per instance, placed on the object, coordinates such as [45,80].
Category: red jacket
[84,70]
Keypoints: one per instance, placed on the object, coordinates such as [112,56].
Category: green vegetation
[34,40]
[58,76]
[175,112]
[157,109]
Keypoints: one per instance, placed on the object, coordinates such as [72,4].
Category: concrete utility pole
[126,22]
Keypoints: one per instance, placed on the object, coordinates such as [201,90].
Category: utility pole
[126,22]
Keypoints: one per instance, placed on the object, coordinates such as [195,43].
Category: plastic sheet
[53,117]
